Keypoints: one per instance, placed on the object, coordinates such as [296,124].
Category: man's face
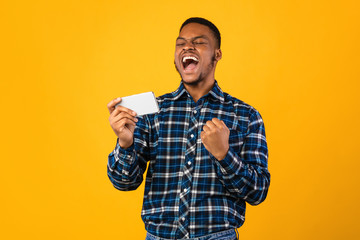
[196,53]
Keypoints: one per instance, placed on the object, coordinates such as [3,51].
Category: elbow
[124,184]
[126,187]
[259,194]
[259,198]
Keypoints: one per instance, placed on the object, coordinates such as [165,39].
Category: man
[206,150]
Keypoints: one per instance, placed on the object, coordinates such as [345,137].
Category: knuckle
[124,115]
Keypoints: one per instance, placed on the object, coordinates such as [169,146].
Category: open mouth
[189,62]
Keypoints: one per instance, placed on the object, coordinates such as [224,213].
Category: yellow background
[297,62]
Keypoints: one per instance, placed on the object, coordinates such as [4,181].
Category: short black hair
[207,23]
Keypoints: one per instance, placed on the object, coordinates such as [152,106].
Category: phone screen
[143,103]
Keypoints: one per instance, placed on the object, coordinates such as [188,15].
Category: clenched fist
[215,137]
[123,121]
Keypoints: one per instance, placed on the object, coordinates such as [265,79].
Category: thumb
[203,137]
[131,128]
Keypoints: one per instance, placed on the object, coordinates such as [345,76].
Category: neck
[200,89]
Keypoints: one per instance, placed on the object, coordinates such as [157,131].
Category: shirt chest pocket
[236,140]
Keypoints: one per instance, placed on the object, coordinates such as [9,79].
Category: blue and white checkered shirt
[188,192]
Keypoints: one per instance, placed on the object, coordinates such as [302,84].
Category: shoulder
[167,100]
[164,98]
[245,114]
[241,108]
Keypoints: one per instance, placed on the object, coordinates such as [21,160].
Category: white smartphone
[143,103]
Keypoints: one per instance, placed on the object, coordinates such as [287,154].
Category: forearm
[245,172]
[249,182]
[125,168]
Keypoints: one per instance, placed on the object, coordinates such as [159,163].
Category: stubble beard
[201,76]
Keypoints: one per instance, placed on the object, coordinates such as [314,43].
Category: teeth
[190,57]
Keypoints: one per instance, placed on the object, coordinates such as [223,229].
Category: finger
[124,122]
[217,122]
[206,128]
[112,103]
[118,117]
[203,138]
[210,124]
[116,122]
[119,109]
[224,125]
[115,113]
[124,109]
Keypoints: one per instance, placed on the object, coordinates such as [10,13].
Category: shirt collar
[179,92]
[215,92]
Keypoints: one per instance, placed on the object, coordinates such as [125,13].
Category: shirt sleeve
[126,167]
[245,173]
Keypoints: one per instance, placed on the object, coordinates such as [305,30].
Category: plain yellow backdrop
[61,62]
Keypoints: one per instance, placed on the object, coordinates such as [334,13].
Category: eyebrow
[194,38]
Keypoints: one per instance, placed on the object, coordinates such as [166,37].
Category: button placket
[185,193]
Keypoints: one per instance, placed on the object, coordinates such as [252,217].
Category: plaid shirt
[188,192]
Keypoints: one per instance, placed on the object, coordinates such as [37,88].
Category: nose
[189,45]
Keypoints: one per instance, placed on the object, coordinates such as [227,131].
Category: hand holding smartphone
[143,103]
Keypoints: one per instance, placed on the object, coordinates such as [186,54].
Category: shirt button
[183,219]
[185,190]
[189,163]
[192,135]
[195,111]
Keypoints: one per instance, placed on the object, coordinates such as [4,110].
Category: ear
[218,54]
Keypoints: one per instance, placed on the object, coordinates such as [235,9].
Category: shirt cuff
[230,165]
[125,151]
[122,155]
